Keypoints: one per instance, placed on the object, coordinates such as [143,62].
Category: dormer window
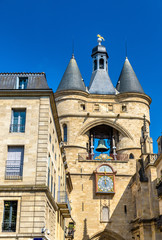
[101,63]
[95,65]
[22,82]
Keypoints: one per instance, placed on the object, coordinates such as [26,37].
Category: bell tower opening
[102,142]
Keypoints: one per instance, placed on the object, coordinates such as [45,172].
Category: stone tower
[102,203]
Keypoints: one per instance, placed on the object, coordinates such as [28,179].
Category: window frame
[10,216]
[9,161]
[24,85]
[17,128]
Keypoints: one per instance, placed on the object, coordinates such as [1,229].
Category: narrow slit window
[65,132]
[124,108]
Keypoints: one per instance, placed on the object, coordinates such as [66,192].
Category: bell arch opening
[102,143]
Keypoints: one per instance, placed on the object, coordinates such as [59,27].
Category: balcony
[17,128]
[8,226]
[159,188]
[13,170]
[63,204]
[69,231]
[102,157]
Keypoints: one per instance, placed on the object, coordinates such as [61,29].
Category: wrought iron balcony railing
[8,226]
[14,170]
[63,203]
[17,128]
[69,233]
[102,156]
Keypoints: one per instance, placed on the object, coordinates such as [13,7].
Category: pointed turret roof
[72,78]
[128,81]
[101,83]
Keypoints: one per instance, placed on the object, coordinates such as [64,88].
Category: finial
[126,49]
[100,39]
[73,49]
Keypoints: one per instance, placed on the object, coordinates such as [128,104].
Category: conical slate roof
[72,78]
[128,81]
[101,83]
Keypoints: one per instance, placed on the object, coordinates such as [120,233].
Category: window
[105,214]
[9,216]
[51,183]
[14,164]
[95,64]
[49,163]
[124,108]
[96,107]
[110,107]
[54,189]
[22,82]
[82,107]
[131,156]
[53,148]
[101,63]
[65,132]
[18,120]
[50,138]
[125,209]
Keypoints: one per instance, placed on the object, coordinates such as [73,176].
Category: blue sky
[37,36]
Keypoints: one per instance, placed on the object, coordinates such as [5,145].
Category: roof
[72,78]
[101,83]
[34,80]
[128,81]
[99,49]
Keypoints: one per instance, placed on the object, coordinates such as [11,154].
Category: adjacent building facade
[78,163]
[33,177]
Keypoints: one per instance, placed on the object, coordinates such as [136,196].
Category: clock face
[105,184]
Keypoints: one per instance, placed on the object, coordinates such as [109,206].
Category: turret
[100,81]
[72,78]
[128,81]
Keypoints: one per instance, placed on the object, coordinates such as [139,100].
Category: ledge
[105,161]
[30,188]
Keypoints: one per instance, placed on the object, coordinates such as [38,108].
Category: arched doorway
[106,235]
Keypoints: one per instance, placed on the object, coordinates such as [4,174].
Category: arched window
[101,63]
[131,156]
[105,214]
[65,132]
[95,64]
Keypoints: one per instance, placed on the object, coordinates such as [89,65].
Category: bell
[101,146]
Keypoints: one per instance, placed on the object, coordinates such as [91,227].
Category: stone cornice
[117,96]
[25,93]
[30,188]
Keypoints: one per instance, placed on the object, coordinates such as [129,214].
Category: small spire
[126,50]
[73,49]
